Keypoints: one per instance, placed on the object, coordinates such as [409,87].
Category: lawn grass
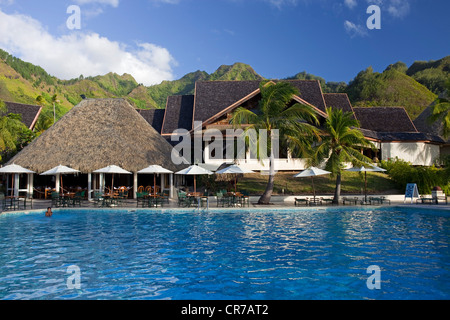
[352,183]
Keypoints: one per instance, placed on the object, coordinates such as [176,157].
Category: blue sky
[156,40]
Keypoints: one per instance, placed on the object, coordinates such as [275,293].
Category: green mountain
[393,87]
[432,74]
[186,85]
[413,87]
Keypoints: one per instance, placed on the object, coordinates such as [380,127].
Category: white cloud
[78,53]
[113,3]
[355,30]
[350,3]
[396,8]
[399,8]
[281,3]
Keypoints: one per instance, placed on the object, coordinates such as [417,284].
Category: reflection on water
[310,254]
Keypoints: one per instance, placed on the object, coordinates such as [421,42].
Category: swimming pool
[224,255]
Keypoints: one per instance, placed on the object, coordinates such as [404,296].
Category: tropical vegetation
[293,123]
[441,112]
[14,135]
[426,178]
[341,143]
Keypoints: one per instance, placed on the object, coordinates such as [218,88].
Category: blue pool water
[260,255]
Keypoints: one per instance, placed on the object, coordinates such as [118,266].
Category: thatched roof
[95,134]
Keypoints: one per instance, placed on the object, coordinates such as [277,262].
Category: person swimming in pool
[49,212]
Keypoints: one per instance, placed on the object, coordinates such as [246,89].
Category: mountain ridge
[414,87]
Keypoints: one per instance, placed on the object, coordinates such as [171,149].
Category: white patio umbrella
[155,169]
[14,169]
[113,169]
[59,171]
[365,170]
[194,170]
[234,169]
[312,172]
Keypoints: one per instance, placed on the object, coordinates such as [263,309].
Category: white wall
[417,153]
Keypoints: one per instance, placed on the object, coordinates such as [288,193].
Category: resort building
[389,128]
[101,132]
[97,134]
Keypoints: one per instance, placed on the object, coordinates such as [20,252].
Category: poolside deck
[278,202]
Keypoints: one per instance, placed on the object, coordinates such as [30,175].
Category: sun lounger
[346,200]
[327,201]
[299,201]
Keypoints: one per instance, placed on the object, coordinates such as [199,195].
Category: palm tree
[341,143]
[276,113]
[441,111]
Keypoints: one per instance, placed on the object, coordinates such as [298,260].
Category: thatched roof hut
[95,134]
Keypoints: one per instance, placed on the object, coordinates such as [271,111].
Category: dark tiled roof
[409,136]
[423,125]
[179,111]
[385,119]
[213,97]
[154,117]
[338,101]
[29,113]
[401,136]
[310,91]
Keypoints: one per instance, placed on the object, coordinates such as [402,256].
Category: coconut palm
[341,143]
[275,112]
[441,111]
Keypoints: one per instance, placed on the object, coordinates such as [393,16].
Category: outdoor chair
[245,199]
[165,197]
[300,201]
[184,200]
[327,201]
[220,199]
[346,200]
[79,196]
[442,199]
[56,200]
[27,202]
[385,200]
[375,200]
[140,198]
[98,199]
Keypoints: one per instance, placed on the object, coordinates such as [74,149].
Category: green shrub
[426,178]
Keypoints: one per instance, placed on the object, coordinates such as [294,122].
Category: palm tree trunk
[265,198]
[337,191]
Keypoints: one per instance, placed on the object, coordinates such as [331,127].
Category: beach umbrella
[59,171]
[312,172]
[14,169]
[112,170]
[234,169]
[365,170]
[194,170]
[155,169]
